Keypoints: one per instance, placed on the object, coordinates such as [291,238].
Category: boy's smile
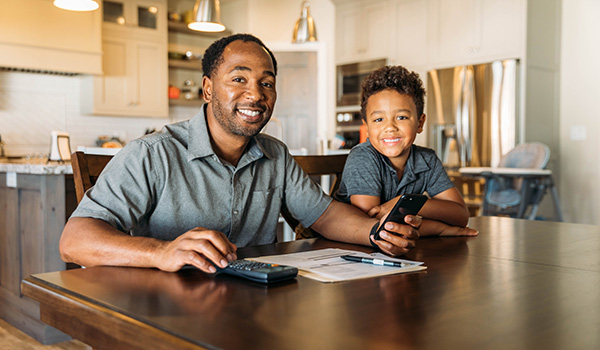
[393,124]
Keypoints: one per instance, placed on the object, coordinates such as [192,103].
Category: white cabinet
[34,34]
[135,76]
[409,34]
[472,31]
[362,30]
[134,81]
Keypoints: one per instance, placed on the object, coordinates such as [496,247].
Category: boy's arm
[366,203]
[448,207]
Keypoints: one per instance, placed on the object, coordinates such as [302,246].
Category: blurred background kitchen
[131,67]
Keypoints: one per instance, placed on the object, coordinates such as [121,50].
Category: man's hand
[398,239]
[197,247]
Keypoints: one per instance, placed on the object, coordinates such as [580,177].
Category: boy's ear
[421,123]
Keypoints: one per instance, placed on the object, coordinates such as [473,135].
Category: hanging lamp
[305,29]
[207,16]
[76,5]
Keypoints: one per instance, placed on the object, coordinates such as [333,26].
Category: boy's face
[393,124]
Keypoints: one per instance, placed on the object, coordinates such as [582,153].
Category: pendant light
[207,16]
[305,29]
[76,5]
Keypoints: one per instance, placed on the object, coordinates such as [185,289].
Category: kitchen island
[36,198]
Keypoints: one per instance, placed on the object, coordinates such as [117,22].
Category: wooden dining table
[520,284]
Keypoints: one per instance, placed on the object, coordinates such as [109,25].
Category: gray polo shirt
[169,182]
[368,172]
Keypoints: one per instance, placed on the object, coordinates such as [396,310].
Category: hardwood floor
[12,338]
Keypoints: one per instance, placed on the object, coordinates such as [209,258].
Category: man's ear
[207,89]
[421,123]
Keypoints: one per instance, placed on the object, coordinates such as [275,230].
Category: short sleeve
[304,199]
[362,175]
[123,192]
[439,181]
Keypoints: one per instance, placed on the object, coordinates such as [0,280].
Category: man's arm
[346,223]
[90,242]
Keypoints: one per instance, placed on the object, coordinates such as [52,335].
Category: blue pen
[372,261]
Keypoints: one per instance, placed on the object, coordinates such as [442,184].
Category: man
[189,194]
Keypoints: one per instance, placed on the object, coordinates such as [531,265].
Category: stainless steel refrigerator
[472,112]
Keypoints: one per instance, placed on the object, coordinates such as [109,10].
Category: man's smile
[248,112]
[251,115]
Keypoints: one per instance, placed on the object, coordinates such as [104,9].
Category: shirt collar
[415,164]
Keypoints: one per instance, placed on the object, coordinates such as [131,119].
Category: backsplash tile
[32,105]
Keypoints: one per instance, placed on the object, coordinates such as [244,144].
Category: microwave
[349,80]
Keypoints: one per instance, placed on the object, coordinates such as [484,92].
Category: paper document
[326,265]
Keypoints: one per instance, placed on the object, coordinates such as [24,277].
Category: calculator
[260,272]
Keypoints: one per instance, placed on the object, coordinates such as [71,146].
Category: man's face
[242,89]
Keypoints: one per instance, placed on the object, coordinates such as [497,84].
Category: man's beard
[230,123]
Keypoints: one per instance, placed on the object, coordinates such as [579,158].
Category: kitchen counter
[34,166]
[36,197]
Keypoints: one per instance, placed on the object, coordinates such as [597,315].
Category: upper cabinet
[428,34]
[139,17]
[134,42]
[409,34]
[472,31]
[362,30]
[34,34]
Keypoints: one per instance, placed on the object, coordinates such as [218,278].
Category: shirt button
[235,212]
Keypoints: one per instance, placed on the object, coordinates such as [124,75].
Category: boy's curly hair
[396,78]
[213,56]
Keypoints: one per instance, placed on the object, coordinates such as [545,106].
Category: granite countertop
[35,166]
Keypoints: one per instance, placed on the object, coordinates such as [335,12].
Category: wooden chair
[316,166]
[86,169]
[324,165]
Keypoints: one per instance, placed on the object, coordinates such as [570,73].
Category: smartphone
[408,204]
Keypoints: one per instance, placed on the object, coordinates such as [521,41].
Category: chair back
[509,194]
[324,165]
[315,166]
[532,155]
[86,169]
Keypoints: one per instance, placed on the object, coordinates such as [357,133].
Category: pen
[372,261]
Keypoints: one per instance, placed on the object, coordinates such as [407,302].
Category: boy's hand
[379,210]
[459,231]
[398,239]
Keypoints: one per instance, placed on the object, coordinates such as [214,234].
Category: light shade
[207,16]
[305,29]
[76,5]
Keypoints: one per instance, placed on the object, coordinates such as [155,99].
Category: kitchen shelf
[181,27]
[187,103]
[347,128]
[183,64]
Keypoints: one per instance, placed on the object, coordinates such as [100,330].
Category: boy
[388,165]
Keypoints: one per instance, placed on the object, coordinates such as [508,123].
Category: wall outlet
[578,133]
[11,179]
